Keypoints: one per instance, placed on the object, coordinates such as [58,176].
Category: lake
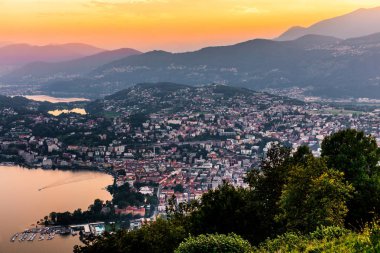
[23,205]
[42,98]
[75,110]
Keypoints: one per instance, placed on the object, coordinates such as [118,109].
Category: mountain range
[328,66]
[40,72]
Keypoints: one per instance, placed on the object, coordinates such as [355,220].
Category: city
[174,126]
[184,141]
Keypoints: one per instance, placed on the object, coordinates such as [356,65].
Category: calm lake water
[23,205]
[43,98]
[75,110]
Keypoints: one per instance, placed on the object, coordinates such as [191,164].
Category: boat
[42,237]
[14,237]
[65,231]
[31,237]
[23,236]
[51,236]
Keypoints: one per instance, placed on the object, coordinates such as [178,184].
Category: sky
[172,25]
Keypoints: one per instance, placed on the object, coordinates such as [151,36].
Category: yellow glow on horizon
[174,25]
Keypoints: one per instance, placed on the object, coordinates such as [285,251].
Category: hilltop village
[168,139]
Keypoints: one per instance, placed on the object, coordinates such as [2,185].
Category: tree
[158,237]
[353,153]
[224,210]
[231,243]
[97,206]
[302,155]
[53,217]
[267,183]
[314,196]
[357,156]
[136,120]
[179,188]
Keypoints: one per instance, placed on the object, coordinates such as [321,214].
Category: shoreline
[61,168]
[95,182]
[30,233]
[51,99]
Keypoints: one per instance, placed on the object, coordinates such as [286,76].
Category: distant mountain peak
[367,9]
[358,23]
[159,52]
[292,32]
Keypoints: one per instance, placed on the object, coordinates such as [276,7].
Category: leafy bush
[288,242]
[325,239]
[374,235]
[328,233]
[231,243]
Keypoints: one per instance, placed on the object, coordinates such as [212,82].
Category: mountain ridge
[22,53]
[39,71]
[358,23]
[346,67]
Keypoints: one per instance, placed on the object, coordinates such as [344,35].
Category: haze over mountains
[355,24]
[19,54]
[329,66]
[40,72]
[4,43]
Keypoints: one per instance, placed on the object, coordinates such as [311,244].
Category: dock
[42,233]
[49,233]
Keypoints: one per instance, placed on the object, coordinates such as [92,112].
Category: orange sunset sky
[174,25]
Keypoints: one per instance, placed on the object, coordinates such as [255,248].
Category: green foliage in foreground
[231,243]
[314,196]
[357,156]
[158,237]
[163,236]
[325,239]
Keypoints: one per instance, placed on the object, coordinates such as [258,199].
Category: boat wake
[66,181]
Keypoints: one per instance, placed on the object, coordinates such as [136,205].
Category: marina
[29,235]
[49,233]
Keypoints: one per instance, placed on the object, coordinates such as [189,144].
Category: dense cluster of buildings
[190,141]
